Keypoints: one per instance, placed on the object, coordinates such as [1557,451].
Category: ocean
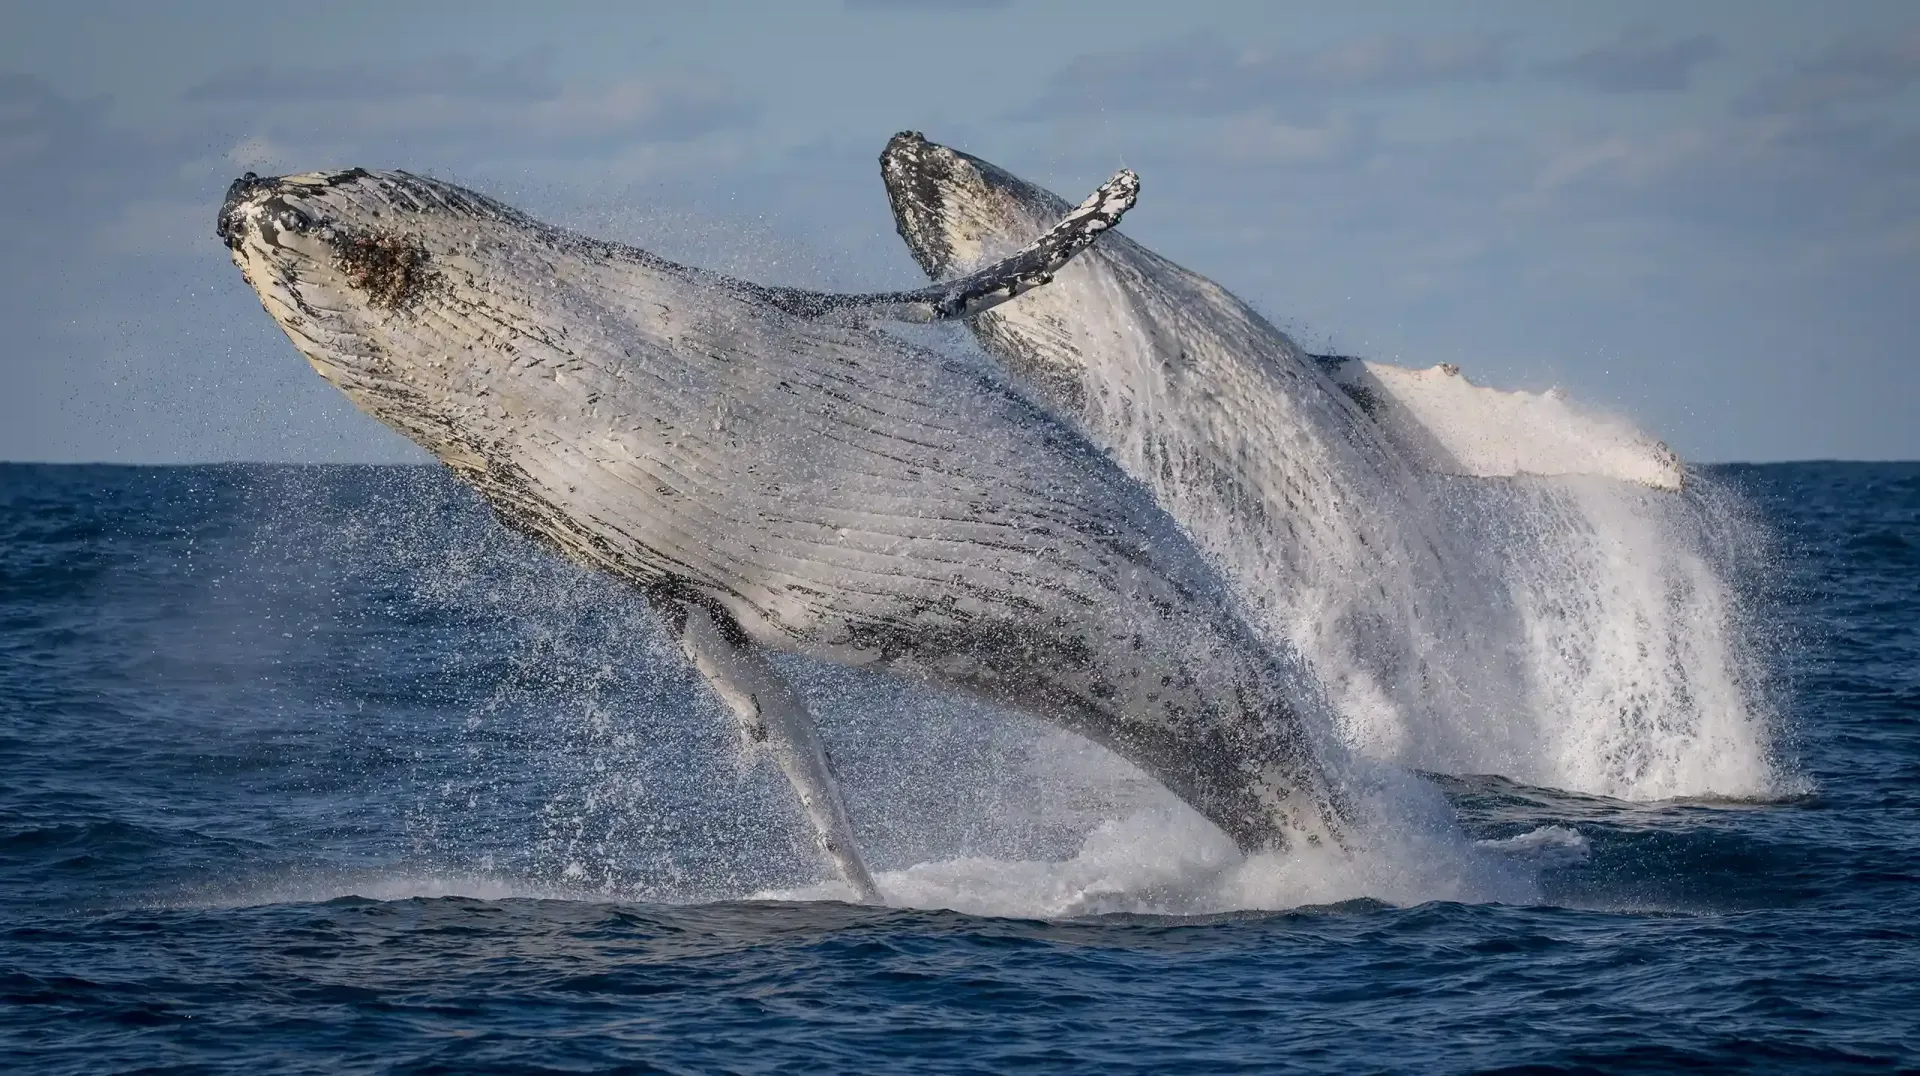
[318,769]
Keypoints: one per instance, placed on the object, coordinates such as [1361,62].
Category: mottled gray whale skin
[769,466]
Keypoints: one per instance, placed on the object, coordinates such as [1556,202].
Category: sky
[1705,216]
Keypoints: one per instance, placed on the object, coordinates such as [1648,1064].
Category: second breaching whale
[776,473]
[1553,616]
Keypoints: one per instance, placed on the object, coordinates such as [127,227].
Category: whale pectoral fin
[1453,426]
[1024,270]
[773,717]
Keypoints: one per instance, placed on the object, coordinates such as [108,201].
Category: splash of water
[1641,676]
[1164,859]
[1574,632]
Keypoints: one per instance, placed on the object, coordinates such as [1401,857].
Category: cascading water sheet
[1570,631]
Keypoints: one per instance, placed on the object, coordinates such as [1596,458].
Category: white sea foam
[1154,855]
[1541,848]
[1174,863]
[1640,682]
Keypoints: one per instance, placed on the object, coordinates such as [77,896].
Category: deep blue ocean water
[316,769]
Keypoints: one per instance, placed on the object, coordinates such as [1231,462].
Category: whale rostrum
[776,473]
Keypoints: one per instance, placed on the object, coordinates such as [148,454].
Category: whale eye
[288,218]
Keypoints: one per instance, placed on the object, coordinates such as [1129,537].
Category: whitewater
[1574,631]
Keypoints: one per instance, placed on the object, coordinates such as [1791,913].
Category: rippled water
[314,769]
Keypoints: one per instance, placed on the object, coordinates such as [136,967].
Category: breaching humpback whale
[774,472]
[1296,473]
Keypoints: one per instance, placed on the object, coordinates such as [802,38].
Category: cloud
[1796,184]
[457,104]
[1854,71]
[528,76]
[1268,139]
[42,130]
[67,171]
[926,5]
[1202,75]
[1637,62]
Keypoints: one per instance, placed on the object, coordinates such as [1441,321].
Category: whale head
[956,211]
[384,281]
[342,252]
[342,260]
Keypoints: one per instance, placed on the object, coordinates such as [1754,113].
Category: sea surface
[317,769]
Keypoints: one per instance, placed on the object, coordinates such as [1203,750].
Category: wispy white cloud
[456,105]
[1637,62]
[1203,75]
[516,78]
[1852,71]
[40,129]
[925,5]
[67,169]
[1271,139]
[1777,179]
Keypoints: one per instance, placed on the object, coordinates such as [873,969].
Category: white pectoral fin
[773,717]
[1451,425]
[1028,268]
